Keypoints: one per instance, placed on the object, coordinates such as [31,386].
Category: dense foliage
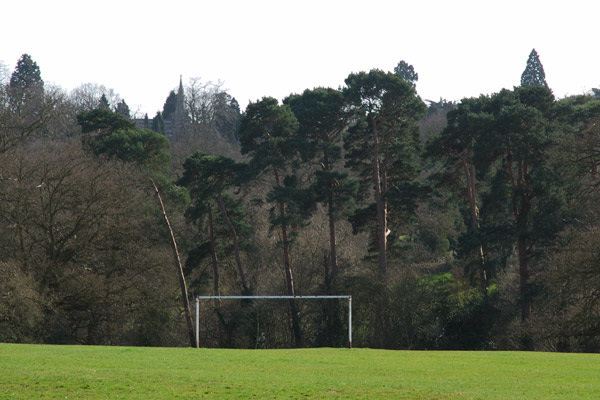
[468,225]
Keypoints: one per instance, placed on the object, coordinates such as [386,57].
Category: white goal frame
[349,297]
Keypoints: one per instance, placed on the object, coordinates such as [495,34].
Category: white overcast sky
[259,48]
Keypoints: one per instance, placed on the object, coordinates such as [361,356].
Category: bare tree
[87,96]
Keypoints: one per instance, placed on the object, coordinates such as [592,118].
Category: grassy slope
[77,372]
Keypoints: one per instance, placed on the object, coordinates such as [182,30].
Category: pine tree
[534,71]
[323,117]
[267,134]
[382,147]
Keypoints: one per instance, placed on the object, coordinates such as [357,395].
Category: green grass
[78,372]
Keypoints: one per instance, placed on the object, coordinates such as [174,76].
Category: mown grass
[78,372]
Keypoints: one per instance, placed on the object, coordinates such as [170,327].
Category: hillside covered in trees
[454,225]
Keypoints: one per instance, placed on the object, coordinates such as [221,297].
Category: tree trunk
[288,271]
[236,245]
[381,208]
[179,268]
[524,278]
[213,254]
[470,177]
[520,191]
[333,265]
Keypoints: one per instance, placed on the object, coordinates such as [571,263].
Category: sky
[256,48]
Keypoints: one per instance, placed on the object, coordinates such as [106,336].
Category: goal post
[348,297]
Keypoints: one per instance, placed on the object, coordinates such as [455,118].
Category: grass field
[78,372]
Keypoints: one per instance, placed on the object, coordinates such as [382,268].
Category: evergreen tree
[406,72]
[208,178]
[383,146]
[323,118]
[103,103]
[454,147]
[534,71]
[267,134]
[523,209]
[26,74]
[170,105]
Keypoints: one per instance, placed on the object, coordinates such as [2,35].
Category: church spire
[180,100]
[180,115]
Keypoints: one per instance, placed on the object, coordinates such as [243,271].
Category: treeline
[469,225]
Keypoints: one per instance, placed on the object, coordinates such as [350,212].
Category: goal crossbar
[348,297]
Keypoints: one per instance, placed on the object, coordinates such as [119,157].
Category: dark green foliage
[383,147]
[227,116]
[406,72]
[139,146]
[102,121]
[26,74]
[116,136]
[390,105]
[208,178]
[323,117]
[170,105]
[103,102]
[534,71]
[205,175]
[299,203]
[526,200]
[267,133]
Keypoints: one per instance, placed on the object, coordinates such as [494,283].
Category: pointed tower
[180,104]
[180,114]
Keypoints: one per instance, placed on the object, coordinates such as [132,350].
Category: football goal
[348,297]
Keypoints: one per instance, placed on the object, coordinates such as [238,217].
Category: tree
[525,199]
[26,110]
[207,178]
[534,75]
[323,118]
[267,134]
[103,102]
[86,97]
[118,137]
[580,115]
[170,105]
[26,75]
[469,122]
[384,145]
[406,72]
[227,116]
[101,122]
[140,146]
[79,246]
